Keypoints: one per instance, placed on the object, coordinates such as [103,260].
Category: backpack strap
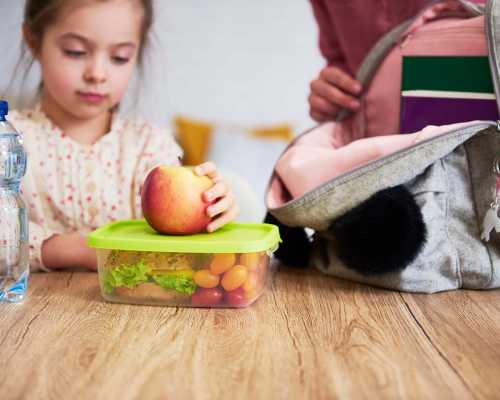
[473,8]
[374,58]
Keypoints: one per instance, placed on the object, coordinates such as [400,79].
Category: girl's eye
[120,60]
[74,53]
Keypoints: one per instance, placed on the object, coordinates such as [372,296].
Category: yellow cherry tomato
[205,279]
[252,294]
[250,260]
[264,265]
[253,286]
[234,278]
[251,283]
[222,263]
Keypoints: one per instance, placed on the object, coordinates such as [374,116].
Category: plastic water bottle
[14,248]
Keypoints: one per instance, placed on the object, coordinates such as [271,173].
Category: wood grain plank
[464,326]
[310,337]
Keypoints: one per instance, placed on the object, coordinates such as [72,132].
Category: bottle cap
[4,109]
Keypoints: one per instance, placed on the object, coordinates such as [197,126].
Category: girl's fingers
[209,169]
[223,219]
[219,189]
[223,210]
[205,168]
[216,177]
[221,206]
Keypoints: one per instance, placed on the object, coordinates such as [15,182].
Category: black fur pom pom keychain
[383,234]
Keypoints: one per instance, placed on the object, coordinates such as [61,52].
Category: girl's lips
[93,98]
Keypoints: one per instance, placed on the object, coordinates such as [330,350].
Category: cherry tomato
[253,286]
[222,262]
[205,279]
[250,260]
[251,283]
[206,297]
[234,278]
[252,295]
[264,265]
[236,298]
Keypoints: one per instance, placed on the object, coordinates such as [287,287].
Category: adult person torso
[349,29]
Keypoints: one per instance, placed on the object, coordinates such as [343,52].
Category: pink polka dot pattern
[72,187]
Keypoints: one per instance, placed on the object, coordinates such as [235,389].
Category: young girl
[86,164]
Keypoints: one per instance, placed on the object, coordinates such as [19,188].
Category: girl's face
[88,55]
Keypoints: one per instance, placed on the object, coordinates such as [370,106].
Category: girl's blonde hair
[40,14]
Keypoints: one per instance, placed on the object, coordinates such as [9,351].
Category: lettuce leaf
[126,275]
[179,283]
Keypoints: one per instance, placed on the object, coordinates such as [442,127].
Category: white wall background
[236,61]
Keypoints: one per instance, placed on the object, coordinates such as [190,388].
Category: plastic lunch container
[226,268]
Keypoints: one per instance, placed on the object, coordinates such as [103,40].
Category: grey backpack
[422,219]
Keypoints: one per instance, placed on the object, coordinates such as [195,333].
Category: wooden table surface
[310,336]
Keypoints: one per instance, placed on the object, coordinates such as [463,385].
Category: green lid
[137,235]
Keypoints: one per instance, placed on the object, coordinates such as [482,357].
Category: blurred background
[230,77]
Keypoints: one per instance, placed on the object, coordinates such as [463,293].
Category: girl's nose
[96,71]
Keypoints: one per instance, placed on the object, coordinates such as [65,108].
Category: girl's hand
[331,91]
[224,209]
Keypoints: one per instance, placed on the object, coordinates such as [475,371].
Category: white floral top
[72,187]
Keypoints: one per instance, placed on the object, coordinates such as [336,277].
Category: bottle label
[13,221]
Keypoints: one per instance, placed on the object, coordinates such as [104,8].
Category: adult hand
[332,90]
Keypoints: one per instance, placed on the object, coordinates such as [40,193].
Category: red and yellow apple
[172,200]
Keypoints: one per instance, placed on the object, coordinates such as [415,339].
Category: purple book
[445,90]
